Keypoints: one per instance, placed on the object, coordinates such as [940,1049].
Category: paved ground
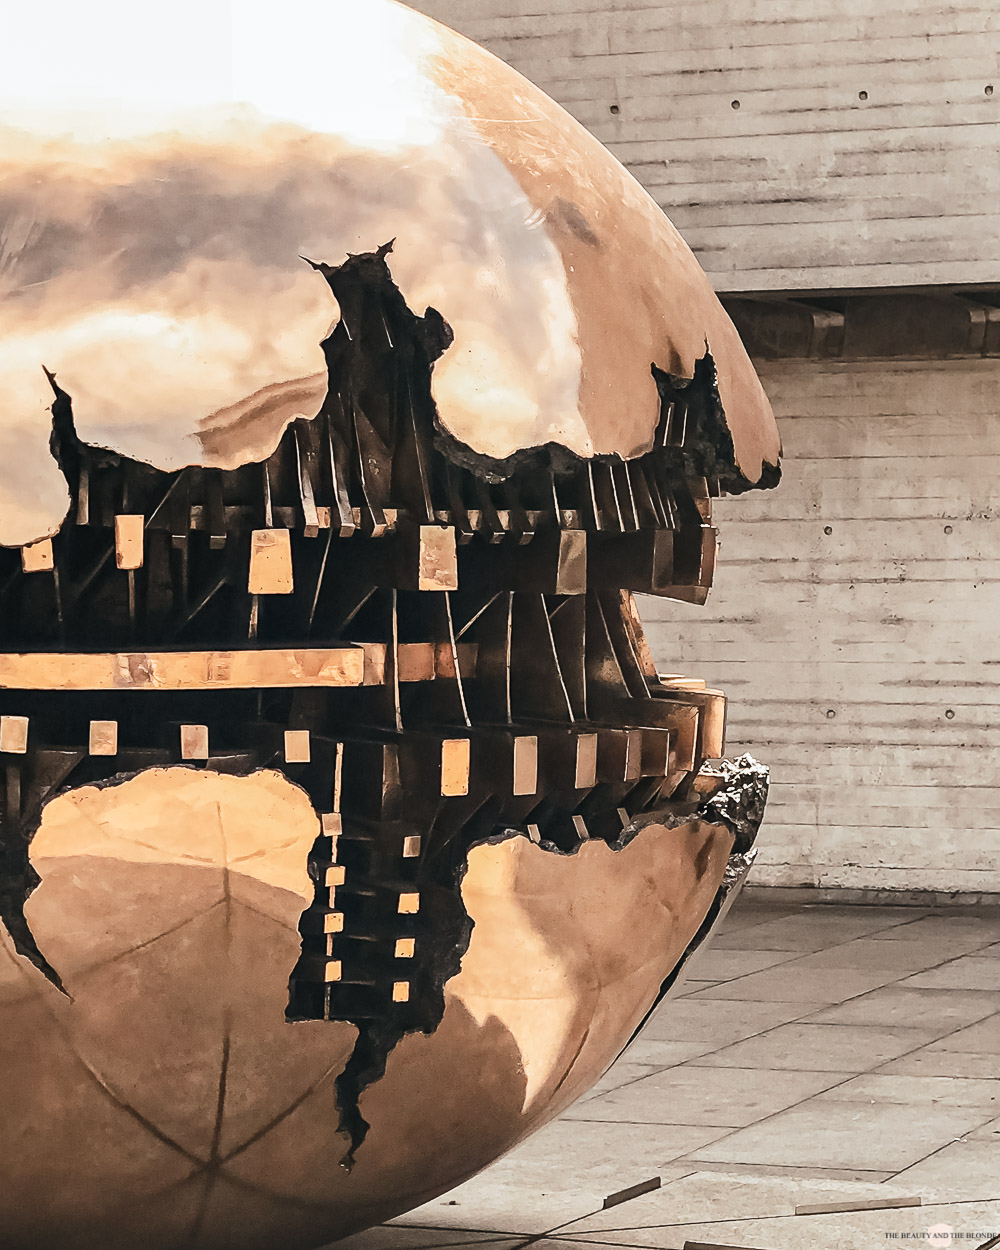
[822,1056]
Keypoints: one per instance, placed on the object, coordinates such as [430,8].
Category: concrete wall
[855,625]
[804,185]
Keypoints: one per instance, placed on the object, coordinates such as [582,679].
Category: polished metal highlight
[184,670]
[153,226]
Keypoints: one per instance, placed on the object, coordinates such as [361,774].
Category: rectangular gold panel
[642,561]
[714,716]
[586,762]
[525,765]
[683,719]
[411,848]
[325,923]
[318,968]
[103,737]
[406,948]
[468,656]
[338,778]
[633,755]
[416,661]
[438,558]
[130,536]
[333,824]
[580,825]
[571,571]
[14,734]
[375,662]
[271,563]
[682,683]
[194,742]
[421,661]
[184,670]
[655,752]
[456,762]
[409,904]
[38,558]
[401,992]
[298,747]
[686,746]
[335,875]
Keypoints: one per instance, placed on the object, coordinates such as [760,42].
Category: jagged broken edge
[708,450]
[736,804]
[18,881]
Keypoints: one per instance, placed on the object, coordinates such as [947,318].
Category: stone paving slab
[733,1098]
[844,1051]
[824,1133]
[850,1048]
[702,1197]
[942,1011]
[970,1223]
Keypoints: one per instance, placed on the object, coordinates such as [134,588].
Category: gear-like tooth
[305,463]
[130,539]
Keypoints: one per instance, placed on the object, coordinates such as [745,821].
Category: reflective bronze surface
[167,1103]
[153,224]
[184,670]
[347,830]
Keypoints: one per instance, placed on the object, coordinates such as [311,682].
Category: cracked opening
[441,650]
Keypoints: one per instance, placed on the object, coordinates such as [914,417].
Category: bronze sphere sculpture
[347,831]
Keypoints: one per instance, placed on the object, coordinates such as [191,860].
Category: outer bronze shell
[347,831]
[167,1103]
[152,222]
